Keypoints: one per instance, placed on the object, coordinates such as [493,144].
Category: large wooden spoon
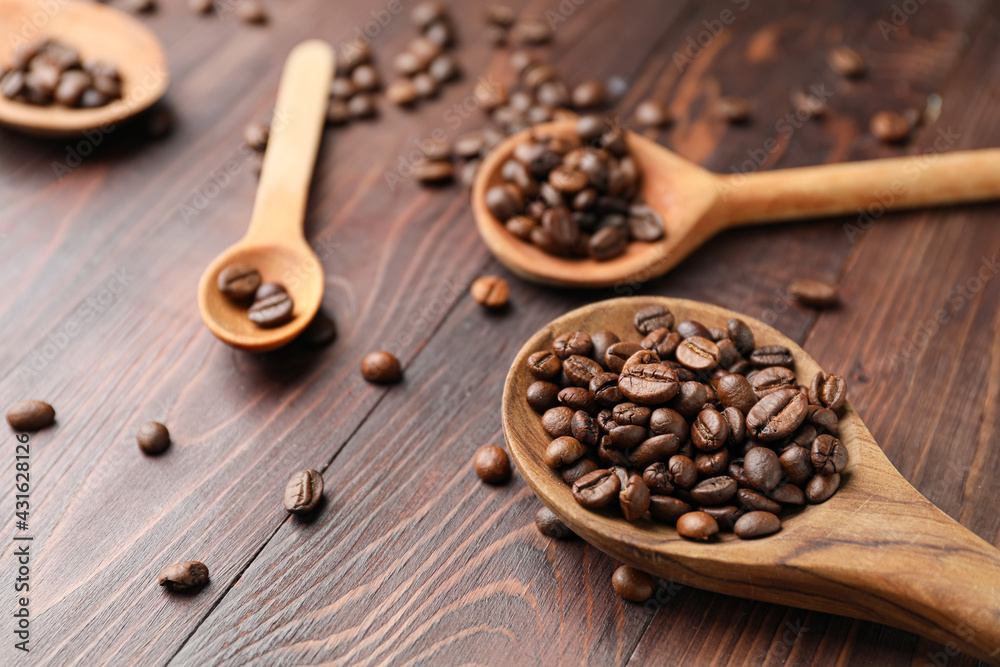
[275,243]
[98,32]
[697,204]
[877,550]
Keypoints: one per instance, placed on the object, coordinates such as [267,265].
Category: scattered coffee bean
[381,367]
[846,61]
[732,109]
[184,576]
[30,415]
[433,171]
[255,136]
[153,438]
[814,293]
[402,92]
[492,464]
[490,291]
[632,584]
[239,282]
[303,491]
[651,113]
[252,11]
[889,127]
[550,525]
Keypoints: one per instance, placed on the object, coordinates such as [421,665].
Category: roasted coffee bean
[691,398]
[561,226]
[822,418]
[667,508]
[272,311]
[712,465]
[542,395]
[605,419]
[544,365]
[846,61]
[739,474]
[741,335]
[490,291]
[651,113]
[821,488]
[30,415]
[762,468]
[610,455]
[690,329]
[336,114]
[652,450]
[756,524]
[521,226]
[697,526]
[581,370]
[619,353]
[443,68]
[627,436]
[630,413]
[601,341]
[381,367]
[644,223]
[737,426]
[184,576]
[341,88]
[803,437]
[796,464]
[252,11]
[153,438]
[662,341]
[585,428]
[728,354]
[632,584]
[604,387]
[238,282]
[427,13]
[772,355]
[531,31]
[574,472]
[503,201]
[753,500]
[267,290]
[634,498]
[725,515]
[201,6]
[732,109]
[666,421]
[714,490]
[589,95]
[558,421]
[772,378]
[889,127]
[437,150]
[658,479]
[597,489]
[564,451]
[607,243]
[648,384]
[492,464]
[430,172]
[828,391]
[710,430]
[777,415]
[426,85]
[814,293]
[684,471]
[567,180]
[578,398]
[829,455]
[72,85]
[736,392]
[550,525]
[788,494]
[652,318]
[575,342]
[303,491]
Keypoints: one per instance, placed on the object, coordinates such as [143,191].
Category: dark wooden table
[413,559]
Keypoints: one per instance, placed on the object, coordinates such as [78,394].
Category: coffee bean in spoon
[239,282]
[272,310]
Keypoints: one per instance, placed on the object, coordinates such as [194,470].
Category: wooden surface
[412,559]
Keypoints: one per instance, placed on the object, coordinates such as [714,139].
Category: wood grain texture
[413,559]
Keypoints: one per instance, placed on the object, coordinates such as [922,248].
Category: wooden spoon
[697,204]
[275,243]
[98,32]
[877,550]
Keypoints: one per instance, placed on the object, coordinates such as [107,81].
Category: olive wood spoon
[275,243]
[877,550]
[697,204]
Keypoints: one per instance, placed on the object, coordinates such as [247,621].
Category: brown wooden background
[412,559]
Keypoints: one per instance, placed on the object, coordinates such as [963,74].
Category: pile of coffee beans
[575,196]
[355,85]
[269,304]
[694,426]
[504,27]
[425,66]
[50,72]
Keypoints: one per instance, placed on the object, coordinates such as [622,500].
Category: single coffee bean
[772,378]
[652,450]
[561,226]
[381,367]
[564,451]
[601,341]
[651,113]
[544,365]
[630,413]
[712,465]
[430,172]
[741,334]
[521,226]
[724,515]
[662,341]
[575,342]
[632,584]
[490,291]
[664,420]
[550,525]
[589,95]
[658,479]
[252,11]
[341,88]
[710,430]
[728,354]
[585,428]
[558,421]
[732,109]
[652,318]
[648,384]
[691,398]
[788,494]
[698,353]
[737,426]
[268,290]
[567,180]
[604,387]
[684,471]
[762,468]
[607,243]
[814,293]
[829,455]
[303,491]
[820,488]
[153,438]
[611,455]
[581,370]
[796,464]
[846,61]
[772,355]
[239,282]
[571,474]
[634,498]
[889,127]
[739,474]
[803,437]
[255,136]
[777,415]
[542,395]
[503,201]
[616,355]
[184,576]
[627,436]
[713,491]
[828,391]
[30,415]
[578,398]
[644,223]
[605,419]
[272,311]
[691,328]
[668,508]
[697,526]
[822,418]
[756,524]
[492,464]
[597,489]
[753,500]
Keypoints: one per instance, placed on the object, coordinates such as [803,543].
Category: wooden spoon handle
[862,189]
[296,131]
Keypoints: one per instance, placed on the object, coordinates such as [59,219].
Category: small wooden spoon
[275,243]
[98,32]
[696,204]
[877,550]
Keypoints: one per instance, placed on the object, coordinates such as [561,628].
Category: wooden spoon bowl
[877,550]
[696,204]
[98,32]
